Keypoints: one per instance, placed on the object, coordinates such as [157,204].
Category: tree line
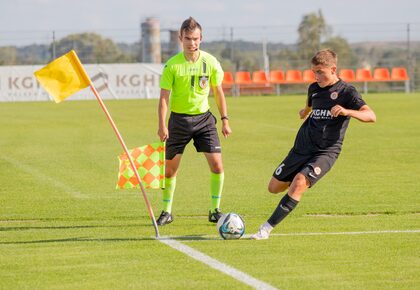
[313,34]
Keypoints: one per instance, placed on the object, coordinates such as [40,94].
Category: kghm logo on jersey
[334,95]
[321,114]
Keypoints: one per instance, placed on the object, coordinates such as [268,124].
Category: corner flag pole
[146,200]
[65,76]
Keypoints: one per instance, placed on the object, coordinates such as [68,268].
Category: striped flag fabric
[150,163]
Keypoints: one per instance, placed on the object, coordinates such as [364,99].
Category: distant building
[174,43]
[150,32]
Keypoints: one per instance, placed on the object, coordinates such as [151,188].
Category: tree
[311,30]
[90,47]
[8,55]
[340,45]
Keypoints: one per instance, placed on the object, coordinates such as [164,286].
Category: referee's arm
[162,112]
[221,105]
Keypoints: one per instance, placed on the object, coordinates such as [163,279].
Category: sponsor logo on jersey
[314,94]
[334,95]
[311,175]
[317,170]
[321,114]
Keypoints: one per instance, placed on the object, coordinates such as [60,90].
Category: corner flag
[65,76]
[150,163]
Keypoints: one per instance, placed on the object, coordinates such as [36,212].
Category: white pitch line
[215,237]
[215,264]
[350,233]
[38,175]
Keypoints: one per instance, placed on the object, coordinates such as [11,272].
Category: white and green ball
[231,226]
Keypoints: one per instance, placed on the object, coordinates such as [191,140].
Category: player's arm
[162,112]
[221,105]
[308,106]
[305,112]
[364,114]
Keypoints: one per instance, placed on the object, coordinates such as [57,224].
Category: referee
[185,85]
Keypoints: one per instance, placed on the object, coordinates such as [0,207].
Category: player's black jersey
[321,132]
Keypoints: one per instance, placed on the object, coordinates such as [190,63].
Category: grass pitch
[63,225]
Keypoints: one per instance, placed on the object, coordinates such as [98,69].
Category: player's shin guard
[168,193]
[216,186]
[286,205]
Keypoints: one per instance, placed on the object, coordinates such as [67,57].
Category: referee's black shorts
[312,166]
[201,128]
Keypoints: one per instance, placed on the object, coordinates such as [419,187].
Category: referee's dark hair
[189,25]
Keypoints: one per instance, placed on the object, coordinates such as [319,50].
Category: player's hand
[338,110]
[302,114]
[163,133]
[226,131]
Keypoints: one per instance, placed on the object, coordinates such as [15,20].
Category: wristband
[224,118]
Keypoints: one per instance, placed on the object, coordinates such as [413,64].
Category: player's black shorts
[201,128]
[312,166]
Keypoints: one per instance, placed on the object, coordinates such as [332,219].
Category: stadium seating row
[262,83]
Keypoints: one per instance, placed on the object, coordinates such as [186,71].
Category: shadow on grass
[191,238]
[79,239]
[26,228]
[114,240]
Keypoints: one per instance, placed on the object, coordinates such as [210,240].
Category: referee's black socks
[286,205]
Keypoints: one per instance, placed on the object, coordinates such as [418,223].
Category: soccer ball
[231,226]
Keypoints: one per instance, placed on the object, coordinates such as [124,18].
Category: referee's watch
[224,118]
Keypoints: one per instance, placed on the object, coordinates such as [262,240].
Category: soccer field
[63,225]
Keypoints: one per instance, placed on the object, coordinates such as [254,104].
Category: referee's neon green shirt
[190,83]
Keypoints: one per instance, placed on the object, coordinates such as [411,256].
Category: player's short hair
[189,25]
[325,57]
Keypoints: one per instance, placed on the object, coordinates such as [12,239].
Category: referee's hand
[226,131]
[163,133]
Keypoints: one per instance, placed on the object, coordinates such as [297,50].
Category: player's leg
[285,176]
[206,140]
[277,186]
[171,170]
[217,178]
[311,172]
[289,201]
[179,136]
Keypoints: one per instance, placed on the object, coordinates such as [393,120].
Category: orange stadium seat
[259,77]
[277,77]
[399,74]
[243,78]
[347,75]
[228,79]
[228,83]
[381,74]
[308,76]
[294,77]
[363,75]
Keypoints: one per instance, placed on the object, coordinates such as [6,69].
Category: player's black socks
[286,205]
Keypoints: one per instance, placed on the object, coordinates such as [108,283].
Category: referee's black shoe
[215,216]
[164,218]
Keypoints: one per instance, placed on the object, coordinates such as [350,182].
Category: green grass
[63,225]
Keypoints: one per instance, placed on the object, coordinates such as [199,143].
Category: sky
[26,21]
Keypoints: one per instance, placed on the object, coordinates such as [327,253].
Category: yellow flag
[63,76]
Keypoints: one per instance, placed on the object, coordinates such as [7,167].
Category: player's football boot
[215,216]
[263,232]
[164,218]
